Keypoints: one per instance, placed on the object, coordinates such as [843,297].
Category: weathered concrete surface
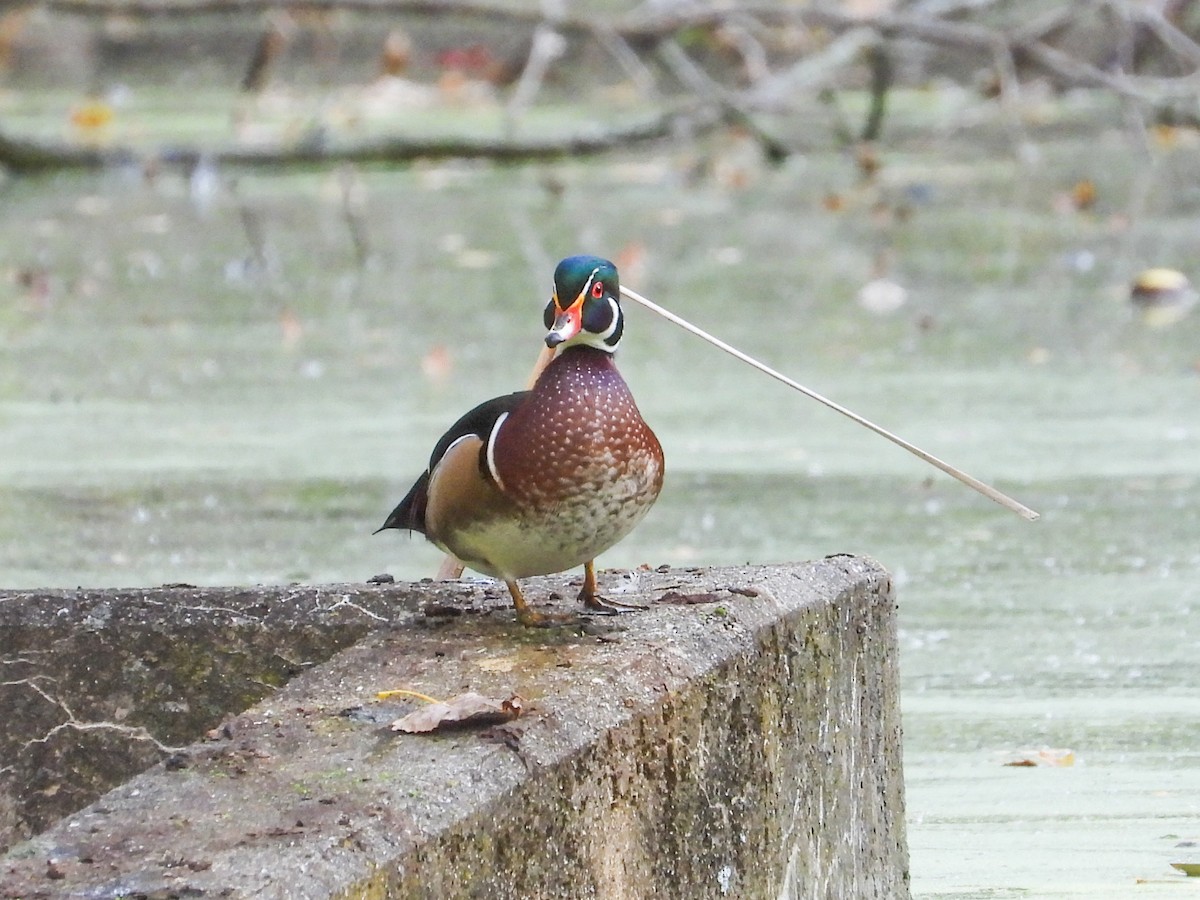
[747,745]
[97,686]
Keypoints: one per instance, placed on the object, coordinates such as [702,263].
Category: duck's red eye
[598,289]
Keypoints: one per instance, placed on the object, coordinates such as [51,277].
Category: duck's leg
[531,618]
[597,604]
[450,569]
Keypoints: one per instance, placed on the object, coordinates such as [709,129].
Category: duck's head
[584,307]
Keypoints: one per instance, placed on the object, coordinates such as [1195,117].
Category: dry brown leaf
[1051,757]
[463,709]
[680,599]
[742,591]
[1083,194]
[833,202]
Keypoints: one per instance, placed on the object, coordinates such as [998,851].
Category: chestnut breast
[577,458]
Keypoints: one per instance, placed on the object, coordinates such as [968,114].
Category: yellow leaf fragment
[404,692]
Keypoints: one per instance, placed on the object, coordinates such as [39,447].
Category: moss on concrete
[750,754]
[97,686]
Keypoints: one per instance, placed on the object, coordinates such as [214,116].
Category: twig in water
[353,201]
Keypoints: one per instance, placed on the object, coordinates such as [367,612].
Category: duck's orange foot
[602,606]
[598,605]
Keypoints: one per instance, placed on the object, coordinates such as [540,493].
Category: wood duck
[543,480]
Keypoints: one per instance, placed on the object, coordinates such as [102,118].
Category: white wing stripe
[491,450]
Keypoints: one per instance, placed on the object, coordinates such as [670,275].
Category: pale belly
[553,537]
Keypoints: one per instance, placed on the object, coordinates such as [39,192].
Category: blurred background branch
[676,69]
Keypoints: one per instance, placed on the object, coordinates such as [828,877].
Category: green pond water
[235,383]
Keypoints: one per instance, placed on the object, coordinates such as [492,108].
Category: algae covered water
[234,381]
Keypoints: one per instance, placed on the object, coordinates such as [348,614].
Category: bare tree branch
[29,155]
[636,70]
[547,46]
[702,85]
[882,73]
[812,72]
[850,41]
[1150,16]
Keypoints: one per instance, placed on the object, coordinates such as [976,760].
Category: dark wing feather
[478,421]
[410,512]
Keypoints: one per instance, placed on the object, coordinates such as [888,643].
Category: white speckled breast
[579,464]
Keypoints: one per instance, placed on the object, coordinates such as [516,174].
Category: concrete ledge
[99,685]
[741,739]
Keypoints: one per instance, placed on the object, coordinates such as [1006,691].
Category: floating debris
[1047,757]
[1163,296]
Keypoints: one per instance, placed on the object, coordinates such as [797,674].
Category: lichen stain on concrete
[700,755]
[665,807]
[96,686]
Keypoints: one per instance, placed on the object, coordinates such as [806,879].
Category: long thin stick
[985,489]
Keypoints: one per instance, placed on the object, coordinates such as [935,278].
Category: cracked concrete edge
[308,793]
[98,685]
